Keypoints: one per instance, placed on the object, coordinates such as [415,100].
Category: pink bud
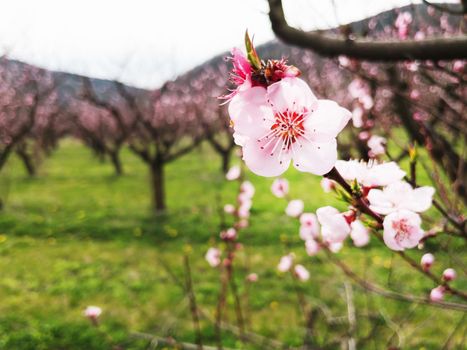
[233,173]
[93,313]
[427,260]
[437,294]
[449,275]
[327,185]
[302,273]
[229,209]
[285,263]
[252,277]
[294,208]
[280,188]
[229,234]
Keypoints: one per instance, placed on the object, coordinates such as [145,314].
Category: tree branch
[372,50]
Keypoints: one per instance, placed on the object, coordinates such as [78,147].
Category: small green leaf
[252,56]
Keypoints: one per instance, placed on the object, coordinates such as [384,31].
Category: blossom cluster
[240,212]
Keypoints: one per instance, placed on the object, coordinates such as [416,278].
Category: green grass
[77,235]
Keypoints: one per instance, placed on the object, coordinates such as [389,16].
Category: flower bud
[427,260]
[437,294]
[449,275]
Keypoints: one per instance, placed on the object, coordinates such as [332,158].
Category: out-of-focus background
[113,155]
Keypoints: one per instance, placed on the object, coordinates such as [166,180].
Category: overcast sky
[145,42]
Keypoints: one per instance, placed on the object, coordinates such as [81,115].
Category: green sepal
[251,53]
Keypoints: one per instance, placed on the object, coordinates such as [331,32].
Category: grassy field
[77,235]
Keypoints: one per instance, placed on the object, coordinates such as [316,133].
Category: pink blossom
[229,208]
[312,247]
[92,312]
[419,35]
[229,235]
[359,234]
[242,223]
[402,230]
[244,211]
[437,294]
[335,247]
[280,188]
[427,261]
[213,257]
[377,145]
[285,263]
[285,122]
[449,275]
[371,174]
[294,208]
[327,185]
[458,66]
[233,173]
[414,94]
[402,24]
[400,195]
[357,115]
[343,61]
[247,189]
[252,277]
[334,226]
[302,273]
[363,135]
[309,226]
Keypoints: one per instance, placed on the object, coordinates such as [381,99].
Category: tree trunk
[27,161]
[157,186]
[116,162]
[226,161]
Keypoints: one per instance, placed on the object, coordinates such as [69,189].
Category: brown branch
[389,293]
[444,8]
[372,50]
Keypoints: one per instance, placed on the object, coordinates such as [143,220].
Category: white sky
[145,42]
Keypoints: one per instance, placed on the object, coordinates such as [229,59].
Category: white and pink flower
[309,226]
[334,226]
[377,145]
[359,233]
[295,208]
[301,272]
[402,230]
[437,294]
[229,235]
[427,261]
[213,256]
[312,247]
[327,185]
[285,122]
[371,174]
[449,275]
[400,195]
[92,312]
[280,188]
[233,173]
[285,263]
[252,277]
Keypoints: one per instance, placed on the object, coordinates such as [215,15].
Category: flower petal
[327,121]
[422,199]
[314,157]
[264,158]
[291,93]
[250,113]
